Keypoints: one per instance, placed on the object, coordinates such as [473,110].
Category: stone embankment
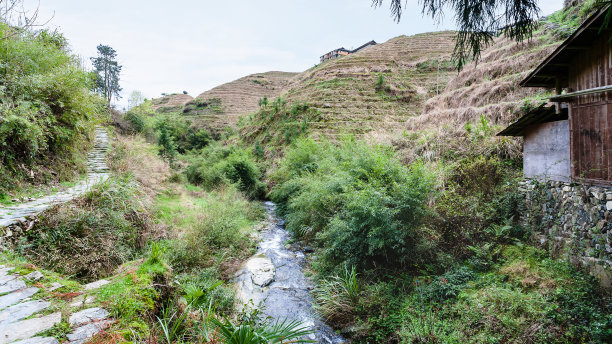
[573,221]
[26,319]
[21,217]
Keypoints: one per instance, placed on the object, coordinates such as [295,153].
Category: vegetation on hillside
[47,109]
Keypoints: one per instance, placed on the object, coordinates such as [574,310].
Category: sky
[193,46]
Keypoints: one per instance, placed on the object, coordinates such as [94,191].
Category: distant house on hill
[343,52]
[572,140]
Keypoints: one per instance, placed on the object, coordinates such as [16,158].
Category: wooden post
[558,92]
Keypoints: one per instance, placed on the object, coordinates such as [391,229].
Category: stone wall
[574,222]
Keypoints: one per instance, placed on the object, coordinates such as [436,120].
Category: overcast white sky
[191,45]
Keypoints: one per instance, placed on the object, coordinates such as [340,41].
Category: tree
[167,149]
[478,22]
[136,98]
[15,14]
[107,72]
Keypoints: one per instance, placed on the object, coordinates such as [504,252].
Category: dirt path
[97,171]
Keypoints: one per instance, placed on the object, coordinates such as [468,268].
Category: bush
[89,237]
[217,166]
[47,110]
[358,202]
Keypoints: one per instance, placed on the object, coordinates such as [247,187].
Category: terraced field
[345,91]
[222,106]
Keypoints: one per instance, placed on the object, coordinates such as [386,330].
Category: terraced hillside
[484,96]
[378,88]
[222,106]
[171,102]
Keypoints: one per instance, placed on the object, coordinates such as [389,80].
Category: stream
[273,279]
[97,171]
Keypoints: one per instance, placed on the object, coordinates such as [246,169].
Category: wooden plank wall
[591,115]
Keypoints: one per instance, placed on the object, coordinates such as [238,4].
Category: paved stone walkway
[97,171]
[21,320]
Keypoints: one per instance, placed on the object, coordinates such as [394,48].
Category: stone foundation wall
[572,221]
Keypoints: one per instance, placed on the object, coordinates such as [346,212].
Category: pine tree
[107,72]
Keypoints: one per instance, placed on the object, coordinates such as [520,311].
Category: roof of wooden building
[364,45]
[539,115]
[556,66]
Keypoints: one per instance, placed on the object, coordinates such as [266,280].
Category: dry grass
[171,102]
[241,97]
[134,155]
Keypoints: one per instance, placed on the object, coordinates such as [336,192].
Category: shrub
[357,201]
[47,110]
[216,166]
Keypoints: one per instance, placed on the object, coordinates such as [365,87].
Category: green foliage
[46,108]
[263,102]
[205,288]
[526,298]
[167,149]
[216,165]
[274,125]
[263,333]
[174,323]
[380,83]
[89,237]
[129,298]
[338,296]
[106,70]
[448,285]
[359,203]
[218,232]
[563,23]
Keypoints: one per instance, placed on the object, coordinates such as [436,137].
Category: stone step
[13,298]
[87,316]
[38,340]
[21,311]
[83,333]
[25,329]
[12,286]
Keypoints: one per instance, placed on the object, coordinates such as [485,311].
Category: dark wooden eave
[555,68]
[539,115]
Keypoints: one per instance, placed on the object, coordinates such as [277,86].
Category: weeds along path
[97,171]
[273,281]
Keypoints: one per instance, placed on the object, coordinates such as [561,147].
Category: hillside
[221,106]
[346,93]
[171,102]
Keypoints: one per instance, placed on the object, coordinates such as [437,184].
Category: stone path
[21,321]
[97,171]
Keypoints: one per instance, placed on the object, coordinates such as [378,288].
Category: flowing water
[97,171]
[274,281]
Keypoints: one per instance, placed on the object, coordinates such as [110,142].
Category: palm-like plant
[279,332]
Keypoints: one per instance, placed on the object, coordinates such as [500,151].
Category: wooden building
[343,52]
[575,146]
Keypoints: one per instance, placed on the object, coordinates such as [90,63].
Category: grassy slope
[237,98]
